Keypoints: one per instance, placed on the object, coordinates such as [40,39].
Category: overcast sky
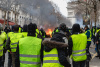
[62,4]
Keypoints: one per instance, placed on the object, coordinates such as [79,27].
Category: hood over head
[76,28]
[31,29]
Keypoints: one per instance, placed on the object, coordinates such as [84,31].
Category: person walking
[77,46]
[89,36]
[12,42]
[9,53]
[29,50]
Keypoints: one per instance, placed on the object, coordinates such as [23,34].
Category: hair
[32,29]
[86,27]
[76,28]
[16,28]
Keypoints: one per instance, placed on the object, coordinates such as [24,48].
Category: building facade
[17,15]
[71,13]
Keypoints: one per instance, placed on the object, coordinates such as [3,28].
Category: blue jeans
[79,64]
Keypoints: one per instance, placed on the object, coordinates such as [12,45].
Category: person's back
[14,41]
[79,45]
[29,50]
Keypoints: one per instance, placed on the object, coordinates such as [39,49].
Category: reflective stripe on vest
[14,43]
[1,50]
[23,55]
[79,51]
[1,44]
[51,59]
[79,54]
[28,62]
[29,54]
[51,55]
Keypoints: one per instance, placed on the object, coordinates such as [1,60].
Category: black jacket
[59,44]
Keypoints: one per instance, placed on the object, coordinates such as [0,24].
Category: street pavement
[95,62]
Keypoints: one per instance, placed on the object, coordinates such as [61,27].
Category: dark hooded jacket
[58,42]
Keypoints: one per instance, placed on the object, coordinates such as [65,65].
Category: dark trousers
[98,49]
[79,64]
[13,59]
[88,55]
[9,60]
[1,62]
[3,59]
[87,51]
